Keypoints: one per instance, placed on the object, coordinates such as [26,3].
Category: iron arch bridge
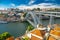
[35,18]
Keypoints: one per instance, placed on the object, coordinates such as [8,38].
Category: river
[15,29]
[18,29]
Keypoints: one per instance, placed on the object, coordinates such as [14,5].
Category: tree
[25,38]
[5,35]
[34,9]
[6,15]
[24,14]
[38,9]
[1,37]
[30,27]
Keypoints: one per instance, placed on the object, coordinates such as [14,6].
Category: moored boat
[3,22]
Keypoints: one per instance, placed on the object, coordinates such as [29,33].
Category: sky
[28,3]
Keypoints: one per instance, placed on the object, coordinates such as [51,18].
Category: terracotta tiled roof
[55,33]
[37,32]
[51,38]
[34,38]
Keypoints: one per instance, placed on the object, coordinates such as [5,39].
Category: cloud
[46,4]
[12,4]
[49,0]
[26,7]
[41,5]
[1,8]
[31,2]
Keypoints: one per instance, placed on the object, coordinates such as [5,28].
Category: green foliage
[1,37]
[5,35]
[6,15]
[26,38]
[34,9]
[24,15]
[30,27]
[38,9]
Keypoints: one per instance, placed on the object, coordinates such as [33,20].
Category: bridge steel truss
[37,19]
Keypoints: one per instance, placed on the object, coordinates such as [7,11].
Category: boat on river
[3,22]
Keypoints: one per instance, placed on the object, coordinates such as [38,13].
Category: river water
[15,29]
[18,29]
